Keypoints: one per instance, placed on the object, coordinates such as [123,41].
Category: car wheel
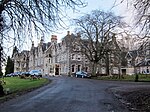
[82,76]
[76,75]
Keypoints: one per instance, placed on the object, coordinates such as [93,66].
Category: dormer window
[79,57]
[74,47]
[78,48]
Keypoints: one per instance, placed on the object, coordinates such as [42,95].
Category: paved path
[69,94]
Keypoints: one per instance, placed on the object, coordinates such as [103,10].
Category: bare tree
[96,31]
[25,19]
[24,16]
[143,14]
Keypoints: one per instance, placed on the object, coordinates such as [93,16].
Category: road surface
[69,94]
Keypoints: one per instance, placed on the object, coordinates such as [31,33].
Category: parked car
[17,73]
[35,73]
[7,75]
[82,74]
[10,75]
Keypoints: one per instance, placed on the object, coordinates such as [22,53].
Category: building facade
[65,58]
[21,61]
[110,64]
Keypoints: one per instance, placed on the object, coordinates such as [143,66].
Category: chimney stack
[54,38]
[68,32]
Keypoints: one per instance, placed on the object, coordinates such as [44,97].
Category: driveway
[70,94]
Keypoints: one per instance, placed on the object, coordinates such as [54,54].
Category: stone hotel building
[62,58]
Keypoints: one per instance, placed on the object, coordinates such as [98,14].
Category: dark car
[82,74]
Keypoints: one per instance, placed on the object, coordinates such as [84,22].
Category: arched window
[79,67]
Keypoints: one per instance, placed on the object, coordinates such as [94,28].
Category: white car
[35,73]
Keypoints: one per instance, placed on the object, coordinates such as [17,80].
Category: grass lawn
[15,84]
[141,77]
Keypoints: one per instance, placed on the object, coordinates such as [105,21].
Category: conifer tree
[9,66]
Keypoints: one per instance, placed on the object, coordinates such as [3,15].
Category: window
[103,70]
[115,70]
[147,52]
[111,60]
[73,57]
[59,58]
[51,69]
[102,60]
[79,57]
[78,48]
[74,47]
[112,55]
[86,60]
[86,69]
[147,70]
[39,62]
[64,57]
[79,67]
[73,68]
[137,61]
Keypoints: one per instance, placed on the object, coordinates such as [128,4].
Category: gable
[128,56]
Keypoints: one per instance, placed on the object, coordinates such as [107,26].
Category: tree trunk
[1,49]
[107,64]
[94,68]
[1,60]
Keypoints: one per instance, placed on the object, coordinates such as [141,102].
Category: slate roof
[133,54]
[144,63]
[45,46]
[68,39]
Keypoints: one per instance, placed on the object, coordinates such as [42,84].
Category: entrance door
[123,71]
[57,70]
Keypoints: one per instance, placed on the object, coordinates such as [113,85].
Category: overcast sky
[117,6]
